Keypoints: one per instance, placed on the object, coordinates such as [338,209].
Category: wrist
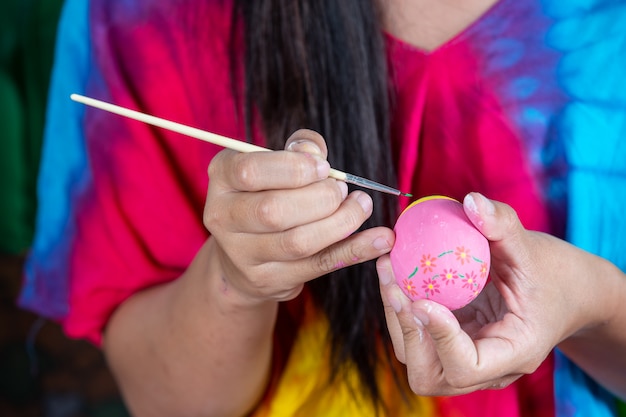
[604,294]
[598,348]
[612,297]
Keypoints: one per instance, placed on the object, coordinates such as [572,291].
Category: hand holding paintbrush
[222,141]
[277,219]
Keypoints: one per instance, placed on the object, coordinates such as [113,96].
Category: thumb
[511,246]
[307,141]
[499,223]
[495,220]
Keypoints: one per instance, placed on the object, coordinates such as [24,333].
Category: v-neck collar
[464,33]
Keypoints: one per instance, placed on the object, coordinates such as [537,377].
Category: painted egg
[439,254]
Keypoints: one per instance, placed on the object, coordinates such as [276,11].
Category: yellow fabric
[303,389]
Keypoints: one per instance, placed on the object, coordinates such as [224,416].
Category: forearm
[187,348]
[600,349]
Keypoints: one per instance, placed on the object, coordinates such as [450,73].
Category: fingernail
[470,203]
[489,207]
[475,203]
[305,146]
[472,210]
[365,201]
[381,244]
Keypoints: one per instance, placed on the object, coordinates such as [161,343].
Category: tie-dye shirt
[526,105]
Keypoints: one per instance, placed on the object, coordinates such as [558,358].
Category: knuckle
[325,261]
[293,245]
[329,260]
[269,212]
[244,172]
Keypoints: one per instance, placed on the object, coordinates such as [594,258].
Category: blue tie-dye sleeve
[591,34]
[63,171]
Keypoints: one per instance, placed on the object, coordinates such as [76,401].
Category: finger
[258,171]
[465,364]
[392,300]
[424,369]
[307,240]
[510,247]
[451,352]
[360,247]
[276,210]
[441,359]
[499,223]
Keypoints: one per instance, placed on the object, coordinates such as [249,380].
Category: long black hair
[321,64]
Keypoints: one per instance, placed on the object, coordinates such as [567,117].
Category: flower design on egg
[449,276]
[483,269]
[431,286]
[428,263]
[409,288]
[470,280]
[462,255]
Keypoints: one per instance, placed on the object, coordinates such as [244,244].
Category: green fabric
[621,408]
[27,35]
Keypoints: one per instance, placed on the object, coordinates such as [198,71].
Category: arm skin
[600,348]
[182,349]
[202,344]
[543,293]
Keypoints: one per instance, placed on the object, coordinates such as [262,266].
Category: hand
[539,294]
[278,221]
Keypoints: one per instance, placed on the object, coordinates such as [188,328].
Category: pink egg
[439,255]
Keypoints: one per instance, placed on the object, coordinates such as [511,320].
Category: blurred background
[42,373]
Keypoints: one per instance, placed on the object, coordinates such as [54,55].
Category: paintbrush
[223,141]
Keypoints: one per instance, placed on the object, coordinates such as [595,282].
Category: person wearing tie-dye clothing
[217,302]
